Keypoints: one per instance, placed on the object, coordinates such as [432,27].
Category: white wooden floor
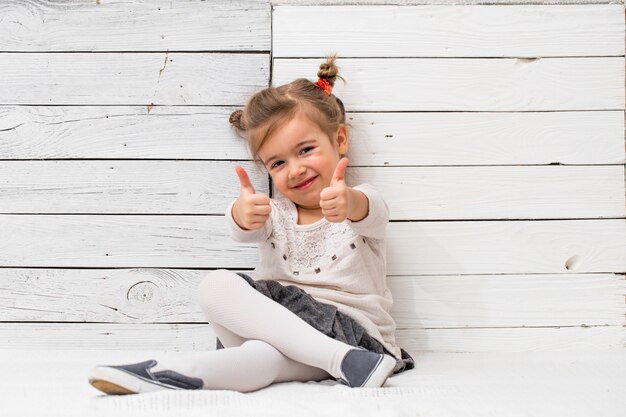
[54,382]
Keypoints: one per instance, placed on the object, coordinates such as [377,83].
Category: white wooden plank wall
[496,134]
[116,152]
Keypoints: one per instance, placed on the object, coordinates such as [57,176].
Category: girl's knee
[268,360]
[264,349]
[216,288]
[214,281]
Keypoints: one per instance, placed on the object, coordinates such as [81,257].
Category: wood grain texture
[424,84]
[383,139]
[140,187]
[458,247]
[116,25]
[579,246]
[147,295]
[440,2]
[171,337]
[108,240]
[468,301]
[451,116]
[528,339]
[181,337]
[448,31]
[426,193]
[129,132]
[451,193]
[502,138]
[131,78]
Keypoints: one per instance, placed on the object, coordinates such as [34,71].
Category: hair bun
[329,71]
[235,119]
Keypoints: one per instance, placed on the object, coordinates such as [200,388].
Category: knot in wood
[142,292]
[572,263]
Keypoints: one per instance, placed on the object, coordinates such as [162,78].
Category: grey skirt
[325,318]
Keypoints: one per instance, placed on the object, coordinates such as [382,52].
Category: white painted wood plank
[439,2]
[121,240]
[516,192]
[131,78]
[144,295]
[177,337]
[448,31]
[507,300]
[186,187]
[116,25]
[452,138]
[518,339]
[170,296]
[458,247]
[143,187]
[516,247]
[180,132]
[107,336]
[470,84]
[177,132]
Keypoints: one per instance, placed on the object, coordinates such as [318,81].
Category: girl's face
[301,159]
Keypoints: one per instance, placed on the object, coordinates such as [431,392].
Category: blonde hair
[269,109]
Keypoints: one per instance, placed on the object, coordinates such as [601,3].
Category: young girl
[317,306]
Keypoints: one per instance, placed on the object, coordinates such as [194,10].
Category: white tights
[263,341]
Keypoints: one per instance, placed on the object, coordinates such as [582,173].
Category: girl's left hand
[336,199]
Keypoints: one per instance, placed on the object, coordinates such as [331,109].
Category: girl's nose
[296,171]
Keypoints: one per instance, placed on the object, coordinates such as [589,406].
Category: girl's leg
[228,338]
[249,367]
[278,347]
[228,300]
[290,370]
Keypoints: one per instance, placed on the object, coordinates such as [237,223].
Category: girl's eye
[307,149]
[276,164]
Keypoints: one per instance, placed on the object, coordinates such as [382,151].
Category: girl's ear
[342,139]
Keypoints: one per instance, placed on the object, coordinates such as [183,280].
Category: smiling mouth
[305,184]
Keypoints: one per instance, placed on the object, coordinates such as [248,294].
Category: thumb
[340,171]
[244,180]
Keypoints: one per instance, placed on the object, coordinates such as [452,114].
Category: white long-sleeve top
[342,264]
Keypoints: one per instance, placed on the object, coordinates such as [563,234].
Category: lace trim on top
[307,245]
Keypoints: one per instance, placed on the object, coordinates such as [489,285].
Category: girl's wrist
[359,205]
[233,214]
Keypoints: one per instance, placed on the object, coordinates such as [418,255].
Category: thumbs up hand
[336,199]
[251,209]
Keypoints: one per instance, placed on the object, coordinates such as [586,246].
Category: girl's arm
[377,215]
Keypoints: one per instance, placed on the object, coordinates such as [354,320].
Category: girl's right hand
[251,209]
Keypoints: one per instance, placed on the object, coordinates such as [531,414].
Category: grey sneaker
[362,368]
[137,378]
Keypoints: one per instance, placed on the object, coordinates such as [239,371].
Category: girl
[317,306]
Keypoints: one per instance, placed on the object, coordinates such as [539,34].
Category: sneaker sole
[381,373]
[109,387]
[117,382]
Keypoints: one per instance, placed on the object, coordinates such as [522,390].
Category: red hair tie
[325,85]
